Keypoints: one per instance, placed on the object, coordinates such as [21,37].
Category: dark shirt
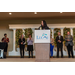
[21,40]
[45,27]
[61,39]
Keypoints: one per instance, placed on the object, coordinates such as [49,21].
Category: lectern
[42,45]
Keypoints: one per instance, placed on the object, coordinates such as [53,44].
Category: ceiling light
[10,13]
[35,12]
[61,12]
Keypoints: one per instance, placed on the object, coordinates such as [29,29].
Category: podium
[42,45]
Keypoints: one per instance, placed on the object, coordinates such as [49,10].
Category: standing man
[59,41]
[5,40]
[69,44]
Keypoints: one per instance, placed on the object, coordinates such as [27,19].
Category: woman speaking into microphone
[43,25]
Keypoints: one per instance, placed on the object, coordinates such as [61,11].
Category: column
[23,32]
[52,32]
[33,35]
[62,31]
[24,35]
[71,31]
[62,34]
[14,31]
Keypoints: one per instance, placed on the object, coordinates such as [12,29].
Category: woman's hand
[21,42]
[68,40]
[7,41]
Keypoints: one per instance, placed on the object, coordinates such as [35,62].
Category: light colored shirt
[59,37]
[29,42]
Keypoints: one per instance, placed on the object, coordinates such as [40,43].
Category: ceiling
[31,15]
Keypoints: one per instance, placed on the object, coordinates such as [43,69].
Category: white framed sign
[42,36]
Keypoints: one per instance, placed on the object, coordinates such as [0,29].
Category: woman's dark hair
[5,34]
[44,22]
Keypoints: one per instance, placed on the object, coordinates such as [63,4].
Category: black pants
[61,48]
[31,54]
[70,49]
[22,51]
[5,50]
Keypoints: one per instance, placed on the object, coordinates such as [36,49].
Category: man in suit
[59,41]
[69,44]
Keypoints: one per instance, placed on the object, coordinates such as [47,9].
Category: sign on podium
[42,36]
[42,45]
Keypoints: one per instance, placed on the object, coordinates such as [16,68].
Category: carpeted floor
[33,60]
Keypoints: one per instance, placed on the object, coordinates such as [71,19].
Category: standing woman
[22,45]
[51,46]
[6,40]
[30,45]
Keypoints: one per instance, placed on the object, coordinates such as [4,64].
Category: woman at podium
[43,25]
[5,40]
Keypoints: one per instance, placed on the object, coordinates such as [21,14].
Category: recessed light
[35,12]
[10,13]
[61,12]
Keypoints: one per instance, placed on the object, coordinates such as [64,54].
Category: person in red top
[5,40]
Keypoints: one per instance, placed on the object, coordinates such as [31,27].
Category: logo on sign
[44,36]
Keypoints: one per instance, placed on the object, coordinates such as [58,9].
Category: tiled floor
[33,60]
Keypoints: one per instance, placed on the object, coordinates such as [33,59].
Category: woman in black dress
[22,45]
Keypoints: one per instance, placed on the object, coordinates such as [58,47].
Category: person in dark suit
[59,41]
[43,25]
[22,45]
[69,44]
[5,40]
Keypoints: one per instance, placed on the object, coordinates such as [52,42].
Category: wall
[4,26]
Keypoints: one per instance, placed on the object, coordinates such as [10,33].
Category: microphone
[40,27]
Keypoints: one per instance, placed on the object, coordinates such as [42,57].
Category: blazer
[61,39]
[69,42]
[22,41]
